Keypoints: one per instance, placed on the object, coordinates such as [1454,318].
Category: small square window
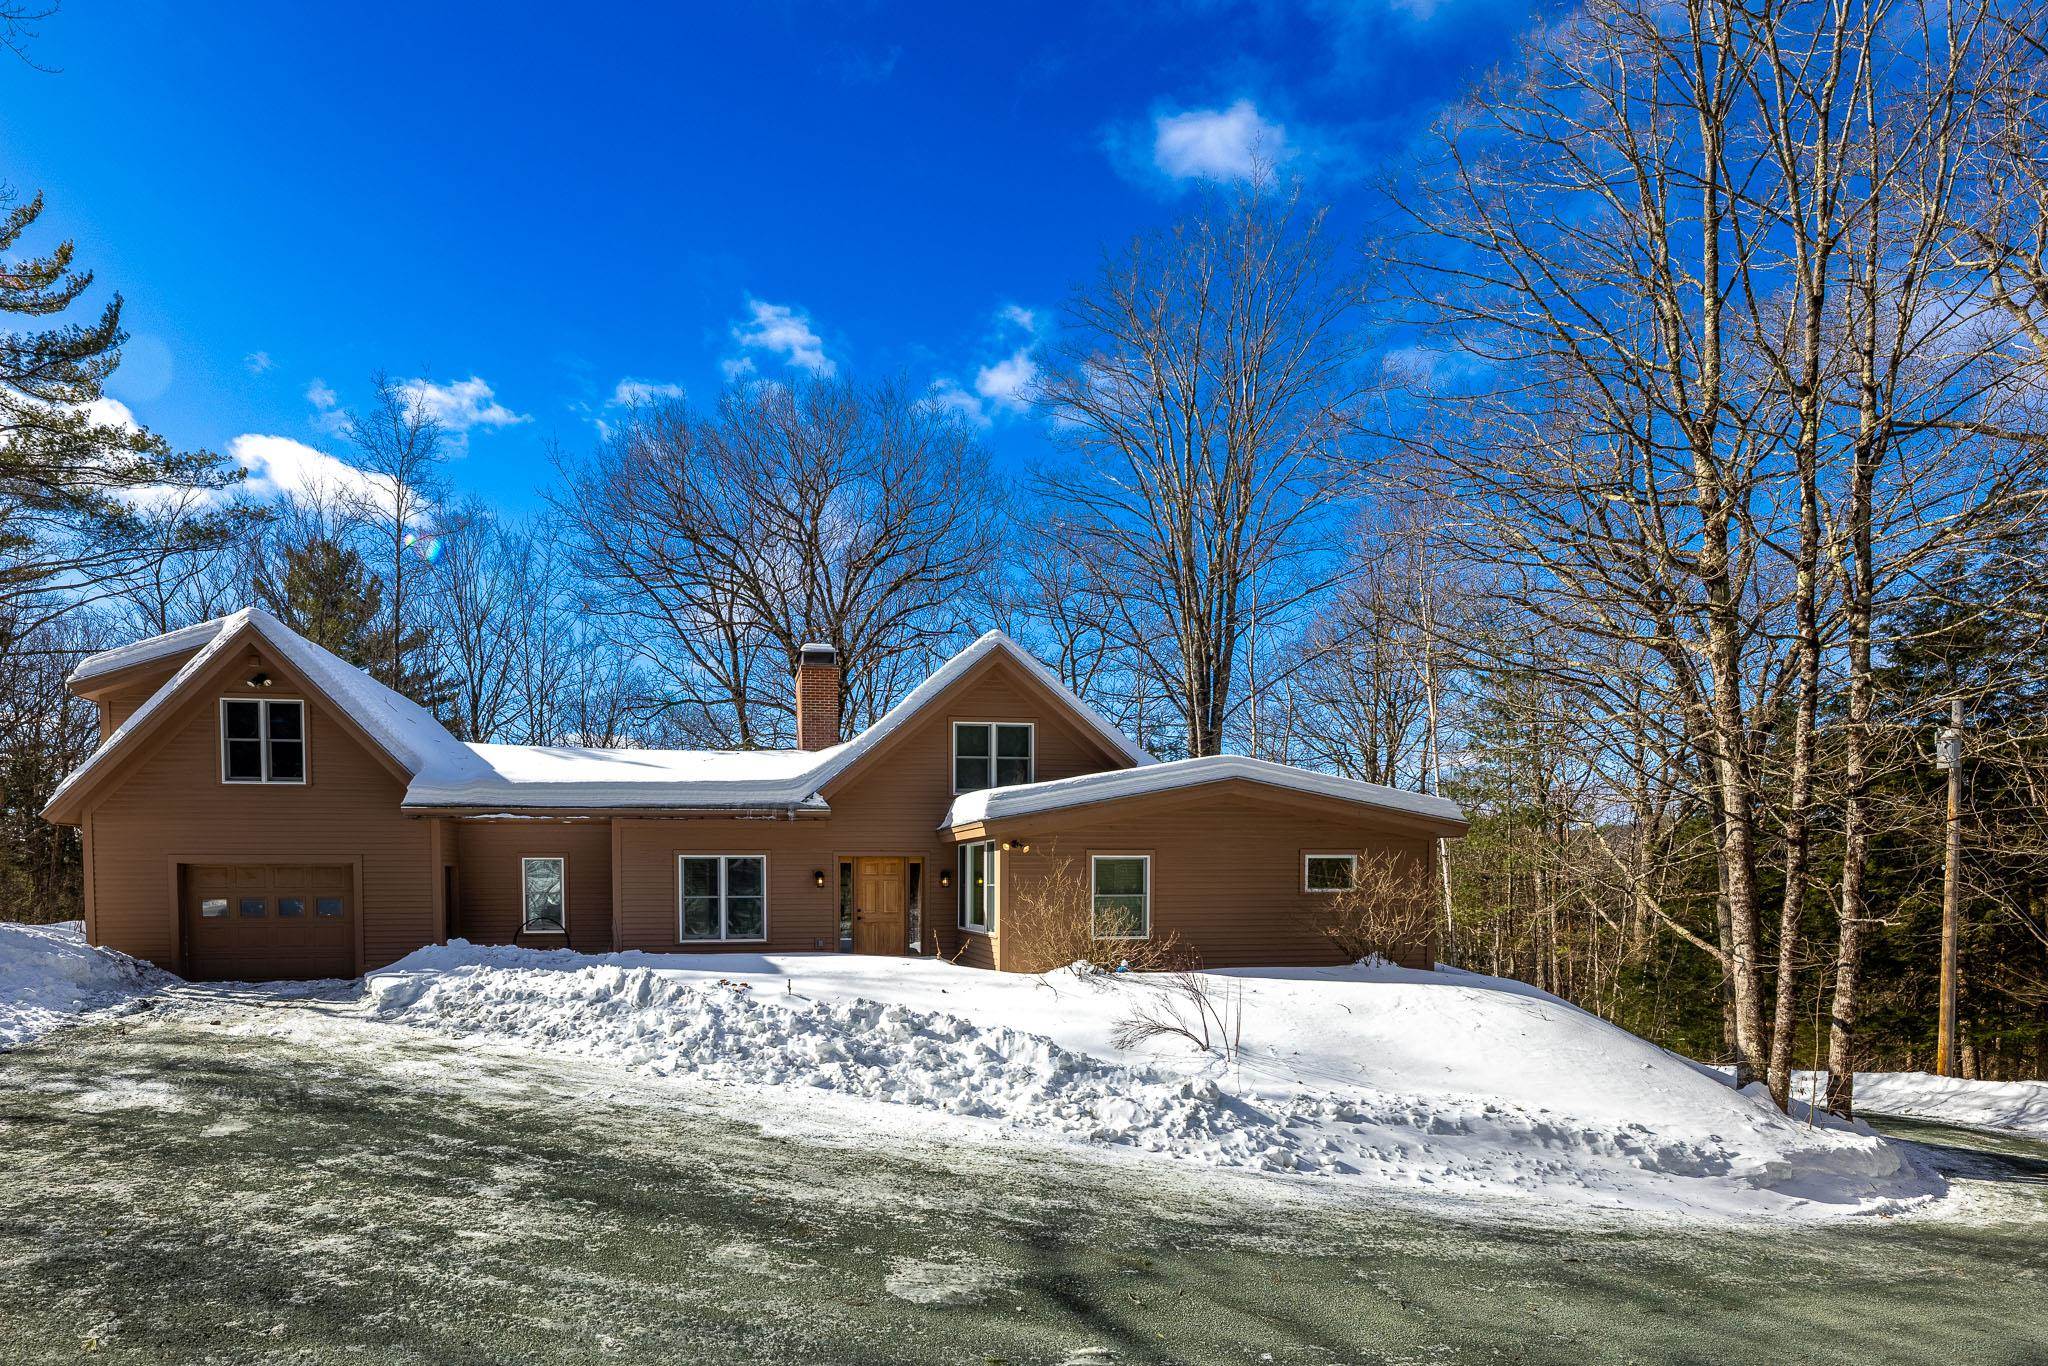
[291,905]
[252,907]
[214,907]
[327,905]
[1329,872]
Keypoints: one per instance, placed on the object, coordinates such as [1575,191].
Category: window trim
[1348,855]
[992,883]
[722,937]
[263,706]
[526,925]
[1144,856]
[953,753]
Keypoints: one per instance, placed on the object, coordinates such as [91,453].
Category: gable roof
[406,732]
[1025,799]
[568,776]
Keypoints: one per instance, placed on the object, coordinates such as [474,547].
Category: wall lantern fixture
[818,877]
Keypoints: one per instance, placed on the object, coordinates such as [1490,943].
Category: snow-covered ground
[2019,1107]
[1444,1083]
[49,976]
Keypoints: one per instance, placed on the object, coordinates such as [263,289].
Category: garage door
[262,922]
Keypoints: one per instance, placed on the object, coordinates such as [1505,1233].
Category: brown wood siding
[121,703]
[890,807]
[487,855]
[1226,876]
[168,803]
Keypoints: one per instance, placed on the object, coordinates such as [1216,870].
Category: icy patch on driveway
[49,976]
[1691,1146]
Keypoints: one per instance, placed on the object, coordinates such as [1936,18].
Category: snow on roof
[997,803]
[405,730]
[144,651]
[583,776]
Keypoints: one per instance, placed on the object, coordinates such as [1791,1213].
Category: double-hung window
[544,887]
[991,754]
[977,886]
[1122,887]
[723,897]
[262,740]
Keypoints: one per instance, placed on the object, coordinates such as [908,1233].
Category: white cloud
[947,394]
[737,367]
[1023,317]
[1009,380]
[281,467]
[258,361]
[635,393]
[1236,143]
[462,405]
[785,331]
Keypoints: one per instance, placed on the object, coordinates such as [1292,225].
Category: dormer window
[262,740]
[991,754]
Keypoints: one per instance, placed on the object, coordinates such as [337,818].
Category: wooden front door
[880,905]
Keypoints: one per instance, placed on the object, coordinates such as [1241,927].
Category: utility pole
[1949,753]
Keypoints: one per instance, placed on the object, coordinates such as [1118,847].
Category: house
[258,808]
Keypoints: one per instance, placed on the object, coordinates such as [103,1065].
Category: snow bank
[2019,1107]
[49,976]
[1440,1082]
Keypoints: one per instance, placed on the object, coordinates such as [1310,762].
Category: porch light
[818,877]
[259,679]
[945,877]
[1017,846]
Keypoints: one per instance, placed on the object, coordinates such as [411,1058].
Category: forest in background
[1653,477]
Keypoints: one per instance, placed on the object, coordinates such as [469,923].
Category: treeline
[1653,483]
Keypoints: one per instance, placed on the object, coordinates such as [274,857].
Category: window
[545,895]
[990,754]
[262,740]
[723,896]
[977,886]
[214,907]
[291,905]
[1329,872]
[252,906]
[327,905]
[1123,895]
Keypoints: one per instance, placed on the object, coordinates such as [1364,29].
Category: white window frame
[722,937]
[1347,855]
[263,706]
[1093,860]
[989,885]
[1030,728]
[526,925]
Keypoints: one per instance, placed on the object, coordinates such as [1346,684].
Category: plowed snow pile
[49,976]
[1444,1082]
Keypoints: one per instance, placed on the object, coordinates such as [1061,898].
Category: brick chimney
[817,697]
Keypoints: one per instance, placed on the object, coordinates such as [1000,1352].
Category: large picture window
[722,896]
[262,740]
[977,886]
[1123,895]
[991,754]
[544,885]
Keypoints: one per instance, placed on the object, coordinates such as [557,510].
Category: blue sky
[527,211]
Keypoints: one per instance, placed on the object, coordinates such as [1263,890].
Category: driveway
[234,1177]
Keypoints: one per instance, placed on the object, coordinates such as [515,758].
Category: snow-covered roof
[405,730]
[1025,799]
[569,776]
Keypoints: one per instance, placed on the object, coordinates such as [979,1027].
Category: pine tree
[69,478]
[323,590]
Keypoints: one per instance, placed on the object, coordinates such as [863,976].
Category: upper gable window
[262,740]
[991,754]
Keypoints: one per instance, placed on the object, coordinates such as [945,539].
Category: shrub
[1387,910]
[1049,922]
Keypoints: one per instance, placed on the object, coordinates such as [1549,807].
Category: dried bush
[1206,1011]
[1048,922]
[1387,910]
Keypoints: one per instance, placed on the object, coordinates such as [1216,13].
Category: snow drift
[1448,1083]
[49,976]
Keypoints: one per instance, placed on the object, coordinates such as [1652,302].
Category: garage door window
[213,908]
[327,905]
[262,740]
[546,895]
[252,906]
[291,905]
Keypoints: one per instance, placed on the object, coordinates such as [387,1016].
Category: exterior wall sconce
[259,679]
[1017,846]
[818,877]
[945,877]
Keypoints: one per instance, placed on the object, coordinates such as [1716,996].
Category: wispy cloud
[946,393]
[257,362]
[637,393]
[327,413]
[785,331]
[1004,384]
[1228,144]
[459,406]
[1009,381]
